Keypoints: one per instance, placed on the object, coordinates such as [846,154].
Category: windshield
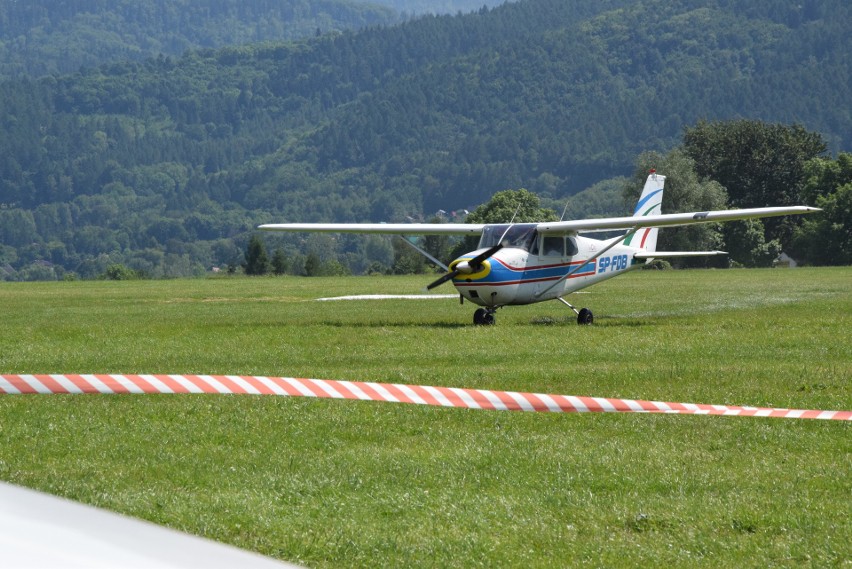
[520,235]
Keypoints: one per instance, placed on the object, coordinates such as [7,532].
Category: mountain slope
[167,164]
[39,37]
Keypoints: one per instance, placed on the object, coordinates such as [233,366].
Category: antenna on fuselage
[514,215]
[511,223]
[564,211]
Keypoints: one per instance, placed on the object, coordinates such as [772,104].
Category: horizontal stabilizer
[665,254]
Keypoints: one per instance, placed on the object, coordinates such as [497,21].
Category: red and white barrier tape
[388,392]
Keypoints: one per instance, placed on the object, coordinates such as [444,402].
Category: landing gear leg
[483,317]
[584,315]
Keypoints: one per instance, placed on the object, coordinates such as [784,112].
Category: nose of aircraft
[494,282]
[472,265]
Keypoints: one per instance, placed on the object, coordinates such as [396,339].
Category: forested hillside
[39,37]
[166,165]
[419,7]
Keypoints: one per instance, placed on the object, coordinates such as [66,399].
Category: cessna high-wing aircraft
[523,263]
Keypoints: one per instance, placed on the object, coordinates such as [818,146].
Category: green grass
[353,484]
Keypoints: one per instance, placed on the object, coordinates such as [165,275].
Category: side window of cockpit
[551,246]
[571,246]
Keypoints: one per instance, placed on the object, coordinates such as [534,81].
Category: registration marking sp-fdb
[613,263]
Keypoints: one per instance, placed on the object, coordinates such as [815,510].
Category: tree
[257,262]
[746,243]
[508,206]
[407,261]
[759,164]
[512,206]
[334,268]
[280,264]
[437,245]
[313,265]
[119,272]
[826,238]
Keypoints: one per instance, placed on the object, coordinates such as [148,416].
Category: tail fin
[650,203]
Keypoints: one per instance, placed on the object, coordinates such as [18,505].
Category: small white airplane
[524,263]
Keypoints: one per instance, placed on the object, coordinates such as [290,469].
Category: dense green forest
[165,165]
[39,37]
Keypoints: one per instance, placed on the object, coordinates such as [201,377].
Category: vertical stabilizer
[650,203]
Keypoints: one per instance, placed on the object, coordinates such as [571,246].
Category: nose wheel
[483,317]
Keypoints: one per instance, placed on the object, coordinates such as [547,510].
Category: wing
[576,226]
[383,228]
[669,220]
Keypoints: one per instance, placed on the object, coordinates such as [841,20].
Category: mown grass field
[358,484]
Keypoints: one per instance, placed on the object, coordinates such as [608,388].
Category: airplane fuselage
[518,275]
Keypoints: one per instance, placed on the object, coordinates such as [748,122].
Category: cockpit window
[557,246]
[551,245]
[519,235]
[571,246]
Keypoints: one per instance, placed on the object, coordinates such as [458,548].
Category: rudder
[650,203]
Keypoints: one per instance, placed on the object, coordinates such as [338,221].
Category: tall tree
[508,206]
[759,164]
[518,206]
[826,238]
[313,265]
[257,261]
[746,244]
[280,264]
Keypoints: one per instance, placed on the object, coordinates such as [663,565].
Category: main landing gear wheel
[585,317]
[483,317]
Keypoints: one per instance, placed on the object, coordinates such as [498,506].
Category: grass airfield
[330,483]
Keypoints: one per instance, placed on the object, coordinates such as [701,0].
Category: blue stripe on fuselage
[502,274]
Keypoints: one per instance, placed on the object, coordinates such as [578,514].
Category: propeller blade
[474,263]
[444,278]
[484,255]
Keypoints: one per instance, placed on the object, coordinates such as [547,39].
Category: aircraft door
[551,256]
[554,260]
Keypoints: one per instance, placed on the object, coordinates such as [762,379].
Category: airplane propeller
[466,267]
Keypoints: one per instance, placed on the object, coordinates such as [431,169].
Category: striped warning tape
[389,392]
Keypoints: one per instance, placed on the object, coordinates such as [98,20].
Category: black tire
[585,317]
[479,316]
[488,319]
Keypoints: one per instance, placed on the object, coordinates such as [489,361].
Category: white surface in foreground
[40,530]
